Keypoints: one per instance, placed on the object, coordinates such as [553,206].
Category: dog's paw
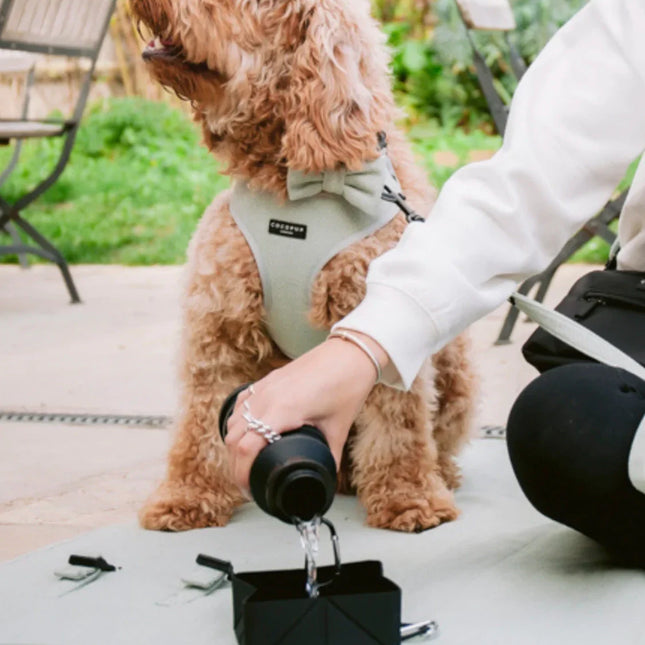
[412,515]
[176,507]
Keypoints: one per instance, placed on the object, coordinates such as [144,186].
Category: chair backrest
[490,15]
[55,27]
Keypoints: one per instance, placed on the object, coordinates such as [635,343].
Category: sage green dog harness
[292,241]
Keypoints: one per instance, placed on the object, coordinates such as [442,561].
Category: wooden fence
[120,71]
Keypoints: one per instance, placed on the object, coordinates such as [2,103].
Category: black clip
[401,201]
[83,570]
[216,563]
[428,628]
[97,562]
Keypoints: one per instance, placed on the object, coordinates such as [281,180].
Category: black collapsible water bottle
[291,479]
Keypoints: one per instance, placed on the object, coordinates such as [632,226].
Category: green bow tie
[362,188]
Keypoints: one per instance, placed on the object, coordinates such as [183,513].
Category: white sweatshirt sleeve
[577,122]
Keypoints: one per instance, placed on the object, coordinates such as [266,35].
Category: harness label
[287,229]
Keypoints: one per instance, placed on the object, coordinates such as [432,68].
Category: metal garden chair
[17,64]
[70,28]
[497,15]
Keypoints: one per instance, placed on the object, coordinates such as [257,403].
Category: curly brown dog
[281,85]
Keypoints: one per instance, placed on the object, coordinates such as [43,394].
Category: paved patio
[115,354]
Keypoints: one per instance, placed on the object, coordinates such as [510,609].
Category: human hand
[325,388]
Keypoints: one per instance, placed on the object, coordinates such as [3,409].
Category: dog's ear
[339,94]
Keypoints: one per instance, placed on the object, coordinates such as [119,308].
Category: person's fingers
[235,429]
[264,405]
[243,396]
[324,388]
[246,451]
[244,443]
[236,424]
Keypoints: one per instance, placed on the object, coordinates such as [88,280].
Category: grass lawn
[133,191]
[138,181]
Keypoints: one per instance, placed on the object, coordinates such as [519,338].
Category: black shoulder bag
[610,303]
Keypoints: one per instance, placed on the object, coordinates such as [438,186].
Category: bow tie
[362,188]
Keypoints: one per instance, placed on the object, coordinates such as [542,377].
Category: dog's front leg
[456,384]
[396,466]
[224,346]
[198,490]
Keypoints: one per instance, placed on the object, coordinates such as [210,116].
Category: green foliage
[433,71]
[443,151]
[427,86]
[135,186]
[417,12]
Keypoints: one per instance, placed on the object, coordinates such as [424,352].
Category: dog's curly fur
[300,84]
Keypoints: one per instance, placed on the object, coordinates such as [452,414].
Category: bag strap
[577,336]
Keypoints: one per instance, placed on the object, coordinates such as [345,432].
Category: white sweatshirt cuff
[401,326]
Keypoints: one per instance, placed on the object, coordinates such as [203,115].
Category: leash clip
[401,201]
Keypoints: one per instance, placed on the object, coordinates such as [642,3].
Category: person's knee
[545,429]
[532,424]
[581,405]
[570,432]
[536,416]
[569,437]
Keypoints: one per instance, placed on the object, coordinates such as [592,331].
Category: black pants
[569,438]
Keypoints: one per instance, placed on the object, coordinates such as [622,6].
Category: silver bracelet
[361,345]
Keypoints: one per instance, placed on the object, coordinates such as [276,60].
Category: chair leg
[603,231]
[545,283]
[10,230]
[50,252]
